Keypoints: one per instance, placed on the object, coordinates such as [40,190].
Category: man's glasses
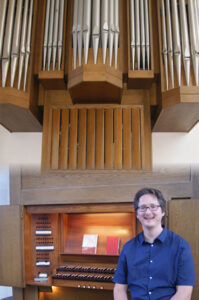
[152,207]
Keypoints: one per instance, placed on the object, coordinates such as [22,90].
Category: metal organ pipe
[45,41]
[180,38]
[53,34]
[74,32]
[139,34]
[7,41]
[86,28]
[80,30]
[132,32]
[95,28]
[146,14]
[117,31]
[28,43]
[3,8]
[164,42]
[60,33]
[104,27]
[176,39]
[185,40]
[23,42]
[16,41]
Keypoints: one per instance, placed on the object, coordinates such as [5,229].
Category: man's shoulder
[174,237]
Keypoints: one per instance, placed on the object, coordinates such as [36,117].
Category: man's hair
[149,191]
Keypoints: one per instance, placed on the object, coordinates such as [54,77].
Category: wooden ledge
[52,80]
[95,83]
[140,79]
[183,94]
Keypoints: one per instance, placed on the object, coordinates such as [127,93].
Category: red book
[112,245]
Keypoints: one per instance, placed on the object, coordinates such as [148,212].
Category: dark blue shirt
[152,271]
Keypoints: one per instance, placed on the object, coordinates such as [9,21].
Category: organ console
[53,245]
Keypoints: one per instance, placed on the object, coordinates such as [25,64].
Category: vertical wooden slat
[146,134]
[64,139]
[126,138]
[118,138]
[17,293]
[46,138]
[109,138]
[31,293]
[73,139]
[55,138]
[100,138]
[90,153]
[12,246]
[136,139]
[82,139]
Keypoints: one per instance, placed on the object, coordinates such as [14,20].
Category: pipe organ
[98,52]
[96,77]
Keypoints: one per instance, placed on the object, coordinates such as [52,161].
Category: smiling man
[157,264]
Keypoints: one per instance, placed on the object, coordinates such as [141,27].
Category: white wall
[176,149]
[169,149]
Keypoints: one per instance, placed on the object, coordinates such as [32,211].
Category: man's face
[149,218]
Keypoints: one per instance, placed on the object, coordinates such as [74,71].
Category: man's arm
[183,292]
[120,291]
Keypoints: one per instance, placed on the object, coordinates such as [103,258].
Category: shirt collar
[161,237]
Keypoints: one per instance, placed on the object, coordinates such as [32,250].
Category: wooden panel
[183,219]
[103,224]
[118,138]
[55,138]
[36,180]
[99,138]
[82,139]
[146,142]
[136,143]
[64,139]
[108,193]
[15,186]
[73,139]
[109,138]
[31,293]
[127,138]
[90,154]
[71,293]
[11,245]
[17,294]
[81,208]
[46,138]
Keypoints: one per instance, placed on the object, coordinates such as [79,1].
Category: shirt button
[150,293]
[150,277]
[151,245]
[151,261]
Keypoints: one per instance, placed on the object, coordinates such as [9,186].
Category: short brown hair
[149,191]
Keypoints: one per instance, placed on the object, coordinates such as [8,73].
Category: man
[157,264]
